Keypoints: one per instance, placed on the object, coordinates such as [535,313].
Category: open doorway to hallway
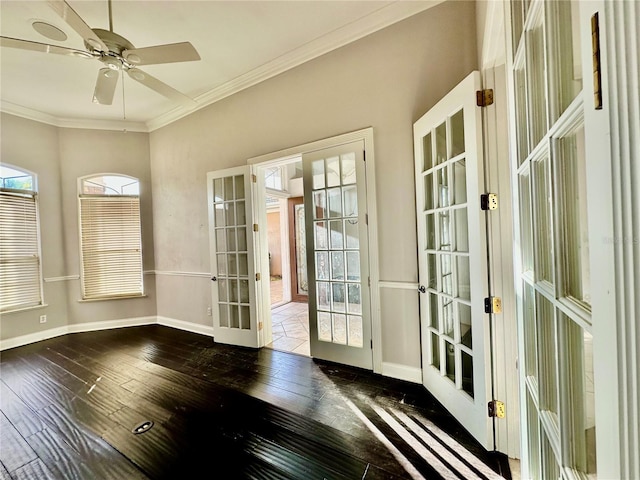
[287,258]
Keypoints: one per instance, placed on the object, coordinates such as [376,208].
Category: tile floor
[290,324]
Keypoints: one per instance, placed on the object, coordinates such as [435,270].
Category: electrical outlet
[209,313]
[43,319]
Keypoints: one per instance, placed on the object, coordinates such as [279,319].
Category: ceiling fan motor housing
[116,45]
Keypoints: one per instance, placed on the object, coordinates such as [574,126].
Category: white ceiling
[240,44]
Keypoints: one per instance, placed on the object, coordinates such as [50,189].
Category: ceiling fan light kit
[113,50]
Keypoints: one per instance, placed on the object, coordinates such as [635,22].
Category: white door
[337,254]
[233,277]
[453,258]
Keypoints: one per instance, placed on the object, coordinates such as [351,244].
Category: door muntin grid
[450,340]
[232,255]
[337,252]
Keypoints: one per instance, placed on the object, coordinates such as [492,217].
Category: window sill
[91,300]
[25,309]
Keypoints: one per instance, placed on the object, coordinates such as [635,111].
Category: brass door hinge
[484,98]
[255,227]
[496,409]
[254,179]
[489,201]
[493,305]
[257,277]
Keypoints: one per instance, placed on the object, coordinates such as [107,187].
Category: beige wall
[275,244]
[58,156]
[386,80]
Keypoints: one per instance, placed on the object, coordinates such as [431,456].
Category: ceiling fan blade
[170,53]
[105,86]
[42,47]
[76,22]
[160,87]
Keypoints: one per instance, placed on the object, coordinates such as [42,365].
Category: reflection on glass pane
[234,316]
[441,144]
[534,438]
[230,217]
[350,201]
[337,265]
[550,467]
[530,341]
[542,204]
[353,266]
[446,273]
[231,240]
[334,202]
[320,204]
[348,168]
[537,91]
[430,232]
[457,134]
[218,193]
[435,350]
[463,278]
[354,303]
[526,230]
[547,355]
[232,265]
[241,217]
[447,319]
[244,291]
[443,228]
[239,187]
[223,295]
[322,265]
[521,111]
[351,234]
[222,264]
[337,297]
[467,373]
[324,302]
[355,331]
[339,328]
[333,172]
[431,268]
[443,187]
[462,230]
[317,170]
[517,24]
[324,327]
[433,311]
[460,182]
[224,315]
[242,239]
[575,252]
[450,361]
[228,188]
[336,238]
[245,318]
[243,264]
[321,235]
[464,316]
[233,291]
[219,214]
[221,241]
[428,191]
[427,149]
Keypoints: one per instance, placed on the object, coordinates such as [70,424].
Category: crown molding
[91,124]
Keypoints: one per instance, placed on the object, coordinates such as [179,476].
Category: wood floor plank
[15,451]
[23,418]
[35,470]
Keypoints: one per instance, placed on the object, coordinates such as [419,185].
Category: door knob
[214,279]
[422,289]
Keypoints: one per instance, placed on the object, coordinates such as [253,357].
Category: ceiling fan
[114,51]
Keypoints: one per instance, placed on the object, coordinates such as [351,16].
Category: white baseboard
[402,372]
[106,325]
[188,326]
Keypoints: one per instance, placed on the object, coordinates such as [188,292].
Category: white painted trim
[402,372]
[186,326]
[62,279]
[179,274]
[399,285]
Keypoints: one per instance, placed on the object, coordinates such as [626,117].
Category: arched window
[20,269]
[110,237]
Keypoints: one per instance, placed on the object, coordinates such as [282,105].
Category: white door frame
[366,135]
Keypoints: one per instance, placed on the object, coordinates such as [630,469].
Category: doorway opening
[288,282]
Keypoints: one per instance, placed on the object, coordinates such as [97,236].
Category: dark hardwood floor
[69,404]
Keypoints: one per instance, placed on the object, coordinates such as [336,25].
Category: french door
[337,254]
[452,255]
[233,277]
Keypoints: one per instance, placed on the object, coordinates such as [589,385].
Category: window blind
[20,273]
[111,246]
